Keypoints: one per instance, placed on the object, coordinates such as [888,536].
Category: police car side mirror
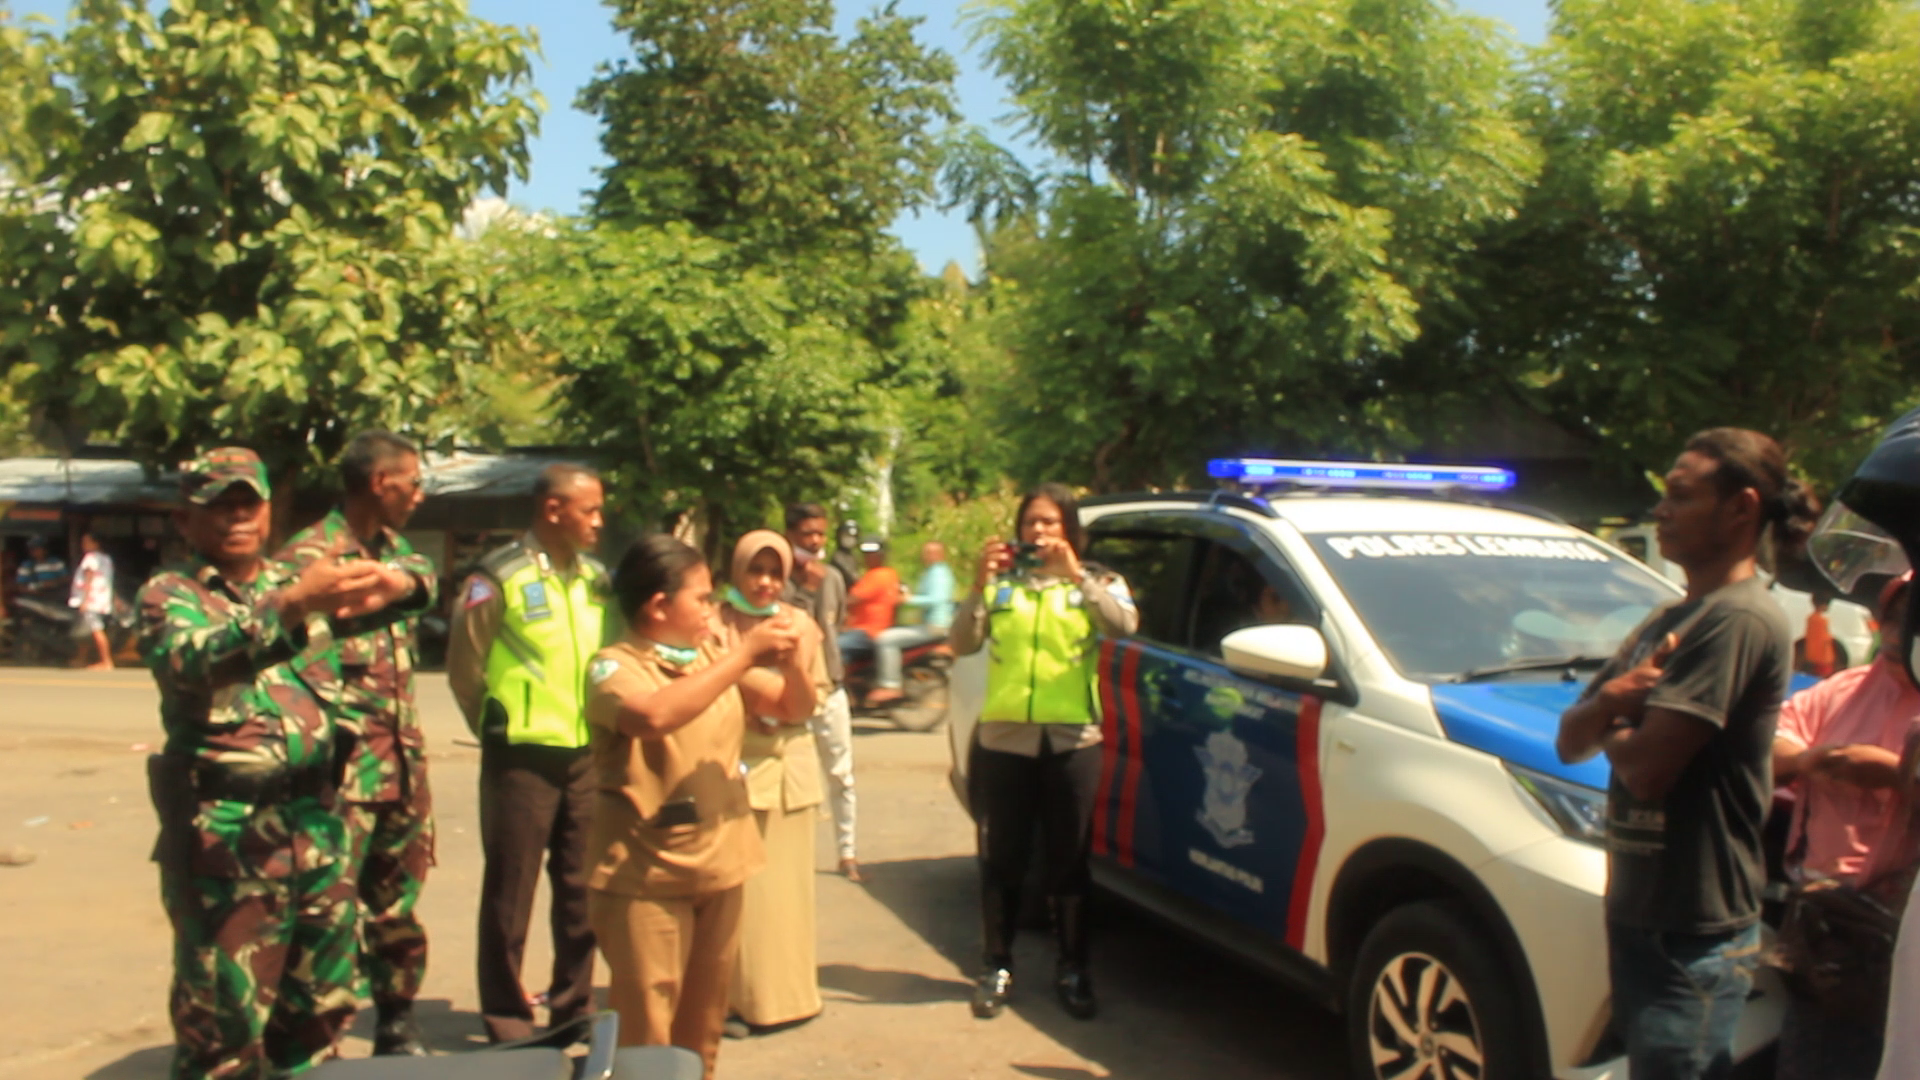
[1285,652]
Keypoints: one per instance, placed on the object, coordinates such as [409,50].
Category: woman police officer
[1035,755]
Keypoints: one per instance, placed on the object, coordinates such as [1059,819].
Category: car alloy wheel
[1422,1023]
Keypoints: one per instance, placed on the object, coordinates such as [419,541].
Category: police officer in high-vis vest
[1036,753]
[525,628]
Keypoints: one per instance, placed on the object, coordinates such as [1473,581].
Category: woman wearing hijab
[672,842]
[775,980]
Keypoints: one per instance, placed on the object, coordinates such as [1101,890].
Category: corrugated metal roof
[82,481]
[94,482]
[485,476]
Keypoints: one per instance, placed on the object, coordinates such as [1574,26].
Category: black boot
[999,908]
[1071,983]
[397,1034]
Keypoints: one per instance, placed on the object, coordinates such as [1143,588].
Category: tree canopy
[241,217]
[1312,227]
[1726,228]
[1264,199]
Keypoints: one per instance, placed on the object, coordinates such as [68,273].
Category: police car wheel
[1426,1004]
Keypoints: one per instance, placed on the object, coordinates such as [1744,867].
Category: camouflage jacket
[231,694]
[369,678]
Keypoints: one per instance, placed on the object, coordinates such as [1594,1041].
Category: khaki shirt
[782,760]
[636,776]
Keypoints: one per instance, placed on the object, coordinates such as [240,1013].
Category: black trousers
[1008,793]
[535,804]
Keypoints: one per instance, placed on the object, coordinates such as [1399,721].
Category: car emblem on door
[1223,809]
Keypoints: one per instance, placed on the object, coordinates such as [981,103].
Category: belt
[213,782]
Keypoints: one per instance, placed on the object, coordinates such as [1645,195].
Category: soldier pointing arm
[251,854]
[383,784]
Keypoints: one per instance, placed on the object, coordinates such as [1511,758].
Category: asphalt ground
[84,944]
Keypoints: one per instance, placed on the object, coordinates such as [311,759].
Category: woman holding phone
[1035,755]
[673,840]
[775,976]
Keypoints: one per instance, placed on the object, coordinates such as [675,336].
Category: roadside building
[476,502]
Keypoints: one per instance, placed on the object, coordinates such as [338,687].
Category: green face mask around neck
[739,601]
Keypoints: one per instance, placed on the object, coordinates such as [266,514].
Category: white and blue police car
[1329,750]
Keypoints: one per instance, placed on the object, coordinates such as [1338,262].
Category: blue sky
[575,36]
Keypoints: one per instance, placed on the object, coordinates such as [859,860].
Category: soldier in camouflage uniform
[386,801]
[251,852]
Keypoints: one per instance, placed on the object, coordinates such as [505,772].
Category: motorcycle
[41,631]
[924,671]
[538,1058]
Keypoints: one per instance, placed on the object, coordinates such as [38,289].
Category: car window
[1156,565]
[1442,606]
[1635,546]
[1231,592]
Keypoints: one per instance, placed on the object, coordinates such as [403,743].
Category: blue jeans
[1677,998]
[892,642]
[855,643]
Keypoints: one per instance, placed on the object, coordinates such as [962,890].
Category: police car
[1330,750]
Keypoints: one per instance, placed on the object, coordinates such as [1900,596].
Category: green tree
[753,311]
[752,122]
[1727,230]
[1263,204]
[689,371]
[248,214]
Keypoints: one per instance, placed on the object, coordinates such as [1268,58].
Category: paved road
[83,943]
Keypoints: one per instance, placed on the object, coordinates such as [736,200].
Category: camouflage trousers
[392,848]
[263,972]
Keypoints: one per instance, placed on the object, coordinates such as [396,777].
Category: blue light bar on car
[1268,472]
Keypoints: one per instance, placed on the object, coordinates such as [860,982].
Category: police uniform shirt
[477,614]
[634,852]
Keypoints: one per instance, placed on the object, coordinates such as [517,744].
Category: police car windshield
[1446,605]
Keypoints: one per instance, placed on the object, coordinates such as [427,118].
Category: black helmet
[1872,531]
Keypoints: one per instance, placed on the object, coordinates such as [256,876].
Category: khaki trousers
[671,961]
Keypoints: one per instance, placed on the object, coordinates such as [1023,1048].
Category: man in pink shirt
[1838,745]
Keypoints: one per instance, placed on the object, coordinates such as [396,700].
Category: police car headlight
[1581,812]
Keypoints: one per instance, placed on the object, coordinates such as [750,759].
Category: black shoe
[397,1035]
[1074,988]
[1071,983]
[990,992]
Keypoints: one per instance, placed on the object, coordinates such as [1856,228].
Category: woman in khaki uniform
[672,842]
[775,978]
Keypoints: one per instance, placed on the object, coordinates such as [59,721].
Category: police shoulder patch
[479,591]
[602,669]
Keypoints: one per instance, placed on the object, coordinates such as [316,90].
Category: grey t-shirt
[1691,862]
[828,606]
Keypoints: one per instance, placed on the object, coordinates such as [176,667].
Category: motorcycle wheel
[925,706]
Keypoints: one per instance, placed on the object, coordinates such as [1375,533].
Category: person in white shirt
[91,597]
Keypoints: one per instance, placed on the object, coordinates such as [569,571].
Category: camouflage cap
[205,477]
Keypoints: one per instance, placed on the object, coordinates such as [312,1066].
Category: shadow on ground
[868,986]
[1169,1007]
[447,1031]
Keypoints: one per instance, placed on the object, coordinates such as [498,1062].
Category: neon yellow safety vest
[1041,649]
[549,631]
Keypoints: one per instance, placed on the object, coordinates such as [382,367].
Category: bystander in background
[1685,713]
[1838,747]
[932,597]
[91,599]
